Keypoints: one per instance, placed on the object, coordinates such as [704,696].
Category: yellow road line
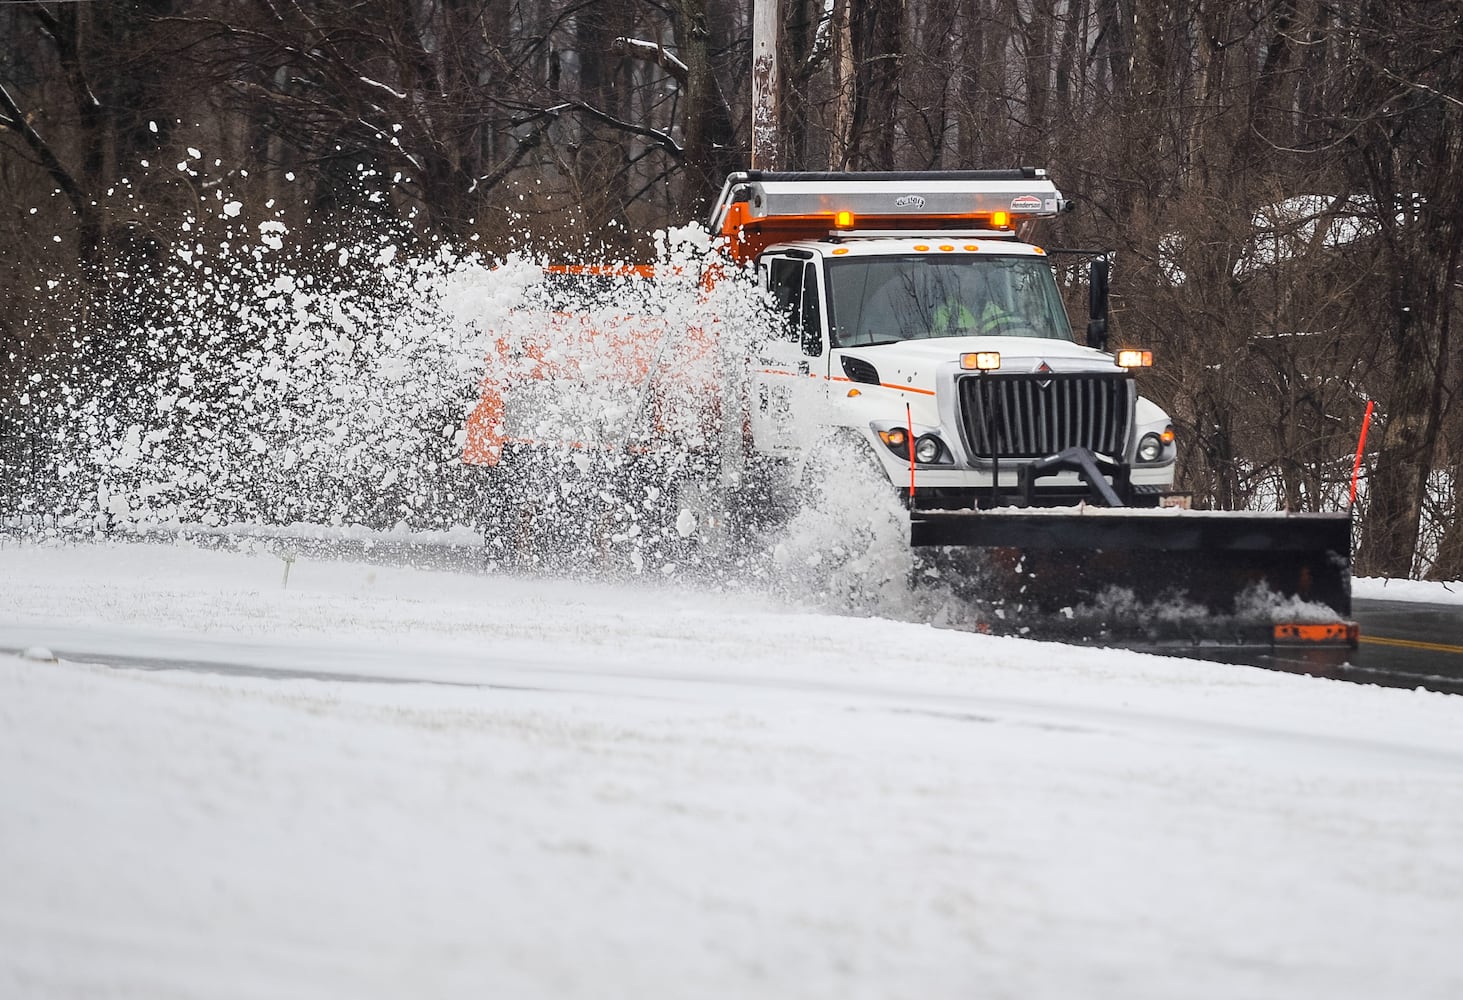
[1435,647]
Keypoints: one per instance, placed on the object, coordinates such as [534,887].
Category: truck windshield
[880,300]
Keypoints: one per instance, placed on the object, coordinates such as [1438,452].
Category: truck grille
[1035,415]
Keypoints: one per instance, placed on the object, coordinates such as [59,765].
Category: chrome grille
[1035,415]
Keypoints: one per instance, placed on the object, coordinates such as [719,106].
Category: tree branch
[15,119]
[659,138]
[638,48]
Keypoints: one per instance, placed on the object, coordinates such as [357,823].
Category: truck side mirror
[1097,304]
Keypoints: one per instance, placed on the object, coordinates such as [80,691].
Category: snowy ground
[1414,591]
[619,791]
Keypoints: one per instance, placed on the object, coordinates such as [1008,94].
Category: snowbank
[596,791]
[1420,591]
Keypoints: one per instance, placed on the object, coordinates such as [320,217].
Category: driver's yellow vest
[952,316]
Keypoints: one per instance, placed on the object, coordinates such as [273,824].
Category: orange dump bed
[589,365]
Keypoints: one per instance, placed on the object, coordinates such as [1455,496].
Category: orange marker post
[909,426]
[1360,445]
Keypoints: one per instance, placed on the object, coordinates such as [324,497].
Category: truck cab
[917,321]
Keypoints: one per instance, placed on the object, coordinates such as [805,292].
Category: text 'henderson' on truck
[918,323]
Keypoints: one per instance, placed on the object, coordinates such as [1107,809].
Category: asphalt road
[1403,643]
[1407,644]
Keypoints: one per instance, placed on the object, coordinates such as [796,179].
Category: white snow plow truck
[923,332]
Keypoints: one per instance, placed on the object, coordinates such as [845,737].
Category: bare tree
[1400,125]
[1280,182]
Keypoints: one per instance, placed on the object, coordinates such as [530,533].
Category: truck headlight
[929,447]
[1151,445]
[1149,448]
[927,450]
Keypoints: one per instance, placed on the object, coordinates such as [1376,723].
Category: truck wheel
[848,543]
[841,463]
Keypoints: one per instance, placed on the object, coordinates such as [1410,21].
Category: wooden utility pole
[766,17]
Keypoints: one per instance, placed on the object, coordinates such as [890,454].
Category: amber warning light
[983,361]
[843,220]
[1135,359]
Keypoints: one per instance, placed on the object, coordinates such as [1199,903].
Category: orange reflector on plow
[1335,632]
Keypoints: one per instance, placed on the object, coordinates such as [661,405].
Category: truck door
[813,338]
[789,367]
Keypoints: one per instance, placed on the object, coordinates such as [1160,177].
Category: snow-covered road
[650,790]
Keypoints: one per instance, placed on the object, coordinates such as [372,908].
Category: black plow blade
[1167,576]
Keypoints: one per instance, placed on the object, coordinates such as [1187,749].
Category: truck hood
[914,362]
